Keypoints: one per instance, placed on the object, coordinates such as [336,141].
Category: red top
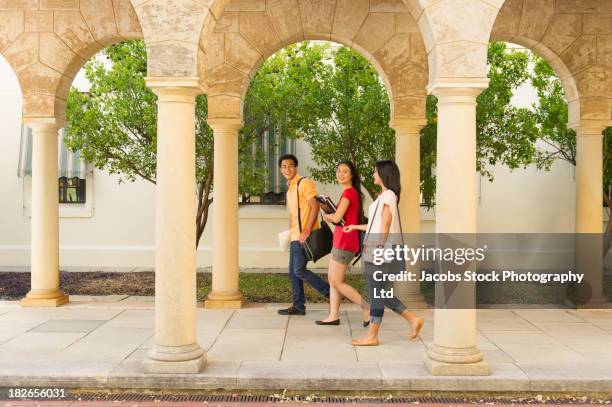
[348,241]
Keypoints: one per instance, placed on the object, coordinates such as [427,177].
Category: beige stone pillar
[225,292]
[45,291]
[589,215]
[454,351]
[408,159]
[176,349]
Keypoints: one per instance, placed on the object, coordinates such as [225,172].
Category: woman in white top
[383,231]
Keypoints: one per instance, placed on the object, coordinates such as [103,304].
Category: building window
[273,143]
[72,190]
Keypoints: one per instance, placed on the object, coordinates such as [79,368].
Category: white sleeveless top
[389,198]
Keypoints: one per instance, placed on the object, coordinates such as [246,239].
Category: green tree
[354,124]
[334,100]
[560,141]
[114,125]
[283,93]
[505,134]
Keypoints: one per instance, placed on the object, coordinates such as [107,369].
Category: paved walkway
[94,342]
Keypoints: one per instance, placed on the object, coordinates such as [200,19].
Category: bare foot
[416,328]
[365,342]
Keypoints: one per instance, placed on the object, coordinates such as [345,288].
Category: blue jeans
[298,273]
[377,305]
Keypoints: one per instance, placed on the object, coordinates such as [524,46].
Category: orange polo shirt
[308,190]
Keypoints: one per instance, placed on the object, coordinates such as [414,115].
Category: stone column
[176,349]
[225,292]
[408,159]
[454,351]
[45,291]
[589,215]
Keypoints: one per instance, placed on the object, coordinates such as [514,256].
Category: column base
[175,359]
[44,298]
[224,301]
[599,301]
[444,361]
[438,368]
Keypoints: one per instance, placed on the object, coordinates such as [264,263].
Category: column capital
[225,125]
[45,124]
[591,128]
[458,90]
[170,89]
[407,127]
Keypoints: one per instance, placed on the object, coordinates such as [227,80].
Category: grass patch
[268,287]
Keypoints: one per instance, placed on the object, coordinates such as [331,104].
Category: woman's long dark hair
[356,182]
[389,173]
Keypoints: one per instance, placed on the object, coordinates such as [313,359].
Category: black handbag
[319,243]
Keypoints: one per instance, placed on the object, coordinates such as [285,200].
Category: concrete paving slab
[496,356]
[124,340]
[505,324]
[96,298]
[536,353]
[579,345]
[541,350]
[261,320]
[67,325]
[538,316]
[268,375]
[248,344]
[414,376]
[139,298]
[392,350]
[43,340]
[8,332]
[565,377]
[18,318]
[484,343]
[216,375]
[578,329]
[132,319]
[308,328]
[520,338]
[138,355]
[321,348]
[100,314]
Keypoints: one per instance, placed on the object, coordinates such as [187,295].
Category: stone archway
[574,38]
[245,34]
[46,47]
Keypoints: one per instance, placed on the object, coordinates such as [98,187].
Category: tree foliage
[559,141]
[333,99]
[114,124]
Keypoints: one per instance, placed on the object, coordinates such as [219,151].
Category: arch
[570,37]
[46,61]
[245,34]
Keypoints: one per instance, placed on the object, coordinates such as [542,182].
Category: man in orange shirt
[304,200]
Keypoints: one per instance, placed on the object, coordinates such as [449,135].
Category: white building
[114,228]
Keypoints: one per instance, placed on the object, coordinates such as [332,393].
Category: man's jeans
[298,273]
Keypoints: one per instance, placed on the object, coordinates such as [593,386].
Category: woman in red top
[345,244]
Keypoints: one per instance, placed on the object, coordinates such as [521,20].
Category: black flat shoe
[292,311]
[366,324]
[334,322]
